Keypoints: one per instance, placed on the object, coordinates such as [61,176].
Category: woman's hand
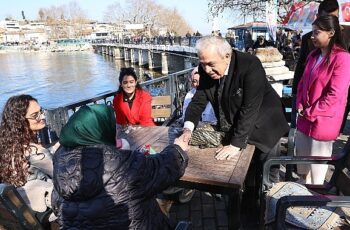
[300,112]
[55,146]
[181,141]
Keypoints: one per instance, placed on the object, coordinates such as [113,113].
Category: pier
[168,59]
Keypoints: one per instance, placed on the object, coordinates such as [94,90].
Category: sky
[195,12]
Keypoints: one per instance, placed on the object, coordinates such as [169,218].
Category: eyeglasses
[36,116]
[194,81]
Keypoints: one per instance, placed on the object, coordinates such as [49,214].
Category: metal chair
[183,225]
[161,110]
[340,181]
[15,213]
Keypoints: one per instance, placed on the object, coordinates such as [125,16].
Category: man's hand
[227,152]
[180,141]
[186,135]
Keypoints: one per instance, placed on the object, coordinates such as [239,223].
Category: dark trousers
[293,119]
[262,157]
[251,197]
[254,177]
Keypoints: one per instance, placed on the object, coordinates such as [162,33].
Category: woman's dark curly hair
[15,137]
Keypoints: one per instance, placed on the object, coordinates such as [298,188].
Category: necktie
[224,125]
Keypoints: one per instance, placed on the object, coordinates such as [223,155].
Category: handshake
[184,139]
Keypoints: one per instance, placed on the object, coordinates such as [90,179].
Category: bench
[161,109]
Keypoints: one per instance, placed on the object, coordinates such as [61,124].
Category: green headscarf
[92,124]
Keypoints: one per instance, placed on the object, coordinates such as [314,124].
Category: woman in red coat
[132,104]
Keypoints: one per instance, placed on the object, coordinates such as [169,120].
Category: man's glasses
[36,116]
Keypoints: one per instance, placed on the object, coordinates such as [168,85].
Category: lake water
[57,79]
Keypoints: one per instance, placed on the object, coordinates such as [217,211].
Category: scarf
[92,124]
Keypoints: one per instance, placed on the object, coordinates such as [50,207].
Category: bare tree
[253,8]
[77,18]
[60,18]
[75,13]
[41,13]
[114,13]
[147,12]
[174,22]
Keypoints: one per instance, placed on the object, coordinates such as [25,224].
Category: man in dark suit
[327,7]
[247,107]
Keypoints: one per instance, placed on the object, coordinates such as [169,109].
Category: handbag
[205,136]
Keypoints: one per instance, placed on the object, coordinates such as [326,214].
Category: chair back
[342,172]
[14,212]
[161,107]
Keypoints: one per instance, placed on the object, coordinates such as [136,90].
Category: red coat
[140,112]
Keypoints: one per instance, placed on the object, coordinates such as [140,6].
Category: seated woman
[132,104]
[24,162]
[99,186]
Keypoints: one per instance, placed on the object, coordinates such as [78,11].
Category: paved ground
[209,213]
[204,211]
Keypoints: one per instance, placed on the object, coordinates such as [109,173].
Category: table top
[203,172]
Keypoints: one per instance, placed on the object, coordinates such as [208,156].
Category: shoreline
[46,49]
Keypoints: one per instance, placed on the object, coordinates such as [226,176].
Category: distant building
[254,28]
[12,31]
[2,35]
[10,25]
[14,36]
[36,35]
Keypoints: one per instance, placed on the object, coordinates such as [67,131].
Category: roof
[87,31]
[14,33]
[249,24]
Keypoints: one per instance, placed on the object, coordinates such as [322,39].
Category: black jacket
[100,187]
[251,106]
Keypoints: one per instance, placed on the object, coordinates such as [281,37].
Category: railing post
[165,69]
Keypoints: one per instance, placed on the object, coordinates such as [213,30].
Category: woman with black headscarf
[100,187]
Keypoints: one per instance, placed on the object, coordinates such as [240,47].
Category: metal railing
[176,85]
[160,40]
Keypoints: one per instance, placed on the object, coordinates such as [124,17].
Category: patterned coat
[100,187]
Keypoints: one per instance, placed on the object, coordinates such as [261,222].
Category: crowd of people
[95,183]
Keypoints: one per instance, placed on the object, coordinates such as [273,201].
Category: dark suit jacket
[251,106]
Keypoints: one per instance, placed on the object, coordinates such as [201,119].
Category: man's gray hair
[223,47]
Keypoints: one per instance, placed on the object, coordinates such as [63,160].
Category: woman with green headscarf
[98,186]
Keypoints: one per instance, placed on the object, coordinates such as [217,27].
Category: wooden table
[203,172]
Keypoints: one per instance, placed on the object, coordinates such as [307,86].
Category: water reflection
[56,79]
